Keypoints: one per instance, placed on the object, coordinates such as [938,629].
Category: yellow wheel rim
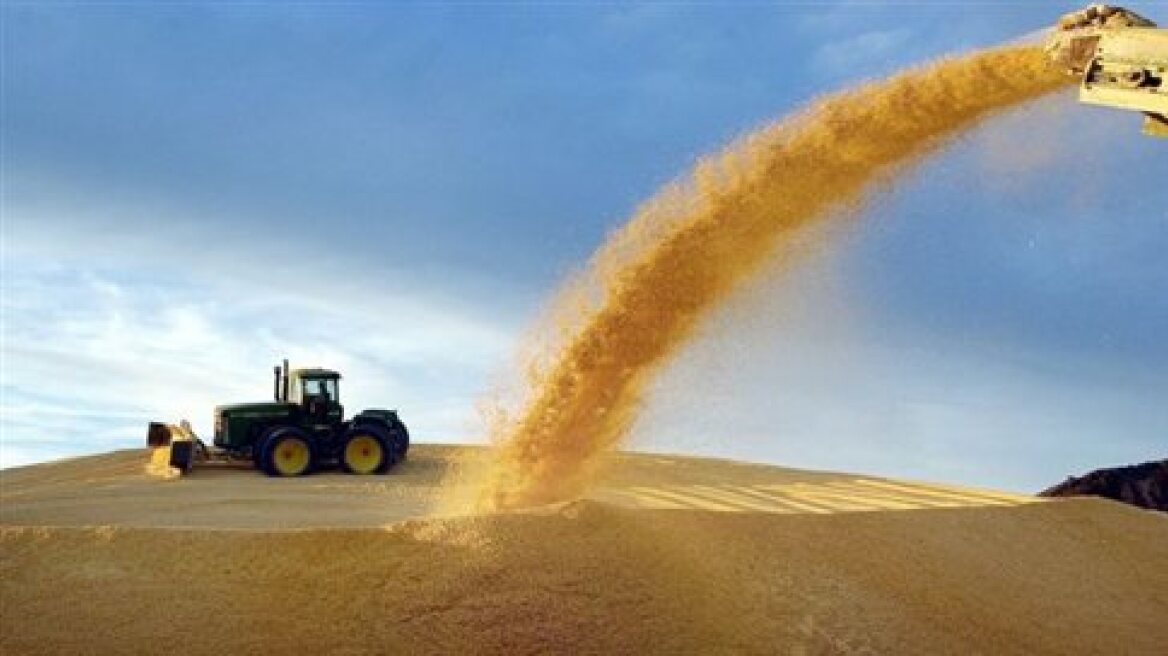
[291,456]
[363,454]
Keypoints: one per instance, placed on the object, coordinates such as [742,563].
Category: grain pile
[686,250]
[667,555]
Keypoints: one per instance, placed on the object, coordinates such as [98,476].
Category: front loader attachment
[173,449]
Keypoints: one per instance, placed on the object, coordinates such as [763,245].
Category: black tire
[278,456]
[352,460]
[400,440]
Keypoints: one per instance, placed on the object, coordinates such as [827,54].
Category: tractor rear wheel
[399,440]
[366,450]
[286,452]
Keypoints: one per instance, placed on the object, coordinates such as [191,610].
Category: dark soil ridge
[1144,485]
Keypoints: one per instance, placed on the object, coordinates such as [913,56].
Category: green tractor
[303,428]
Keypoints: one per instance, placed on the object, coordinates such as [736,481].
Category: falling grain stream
[686,249]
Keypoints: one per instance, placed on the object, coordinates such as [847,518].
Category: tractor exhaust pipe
[276,391]
[286,380]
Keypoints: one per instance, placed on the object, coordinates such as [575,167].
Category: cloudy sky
[192,191]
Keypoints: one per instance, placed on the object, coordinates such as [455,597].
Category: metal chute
[1076,36]
[1121,59]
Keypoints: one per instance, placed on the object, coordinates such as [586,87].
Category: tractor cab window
[321,386]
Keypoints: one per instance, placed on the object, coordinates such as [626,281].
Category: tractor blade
[172,449]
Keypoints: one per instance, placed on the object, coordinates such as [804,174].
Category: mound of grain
[669,555]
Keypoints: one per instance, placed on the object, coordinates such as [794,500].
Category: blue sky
[192,191]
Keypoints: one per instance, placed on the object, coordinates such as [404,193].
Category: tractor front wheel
[366,451]
[286,452]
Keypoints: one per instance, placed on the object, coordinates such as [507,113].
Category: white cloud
[90,354]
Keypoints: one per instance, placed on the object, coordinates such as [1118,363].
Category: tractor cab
[314,390]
